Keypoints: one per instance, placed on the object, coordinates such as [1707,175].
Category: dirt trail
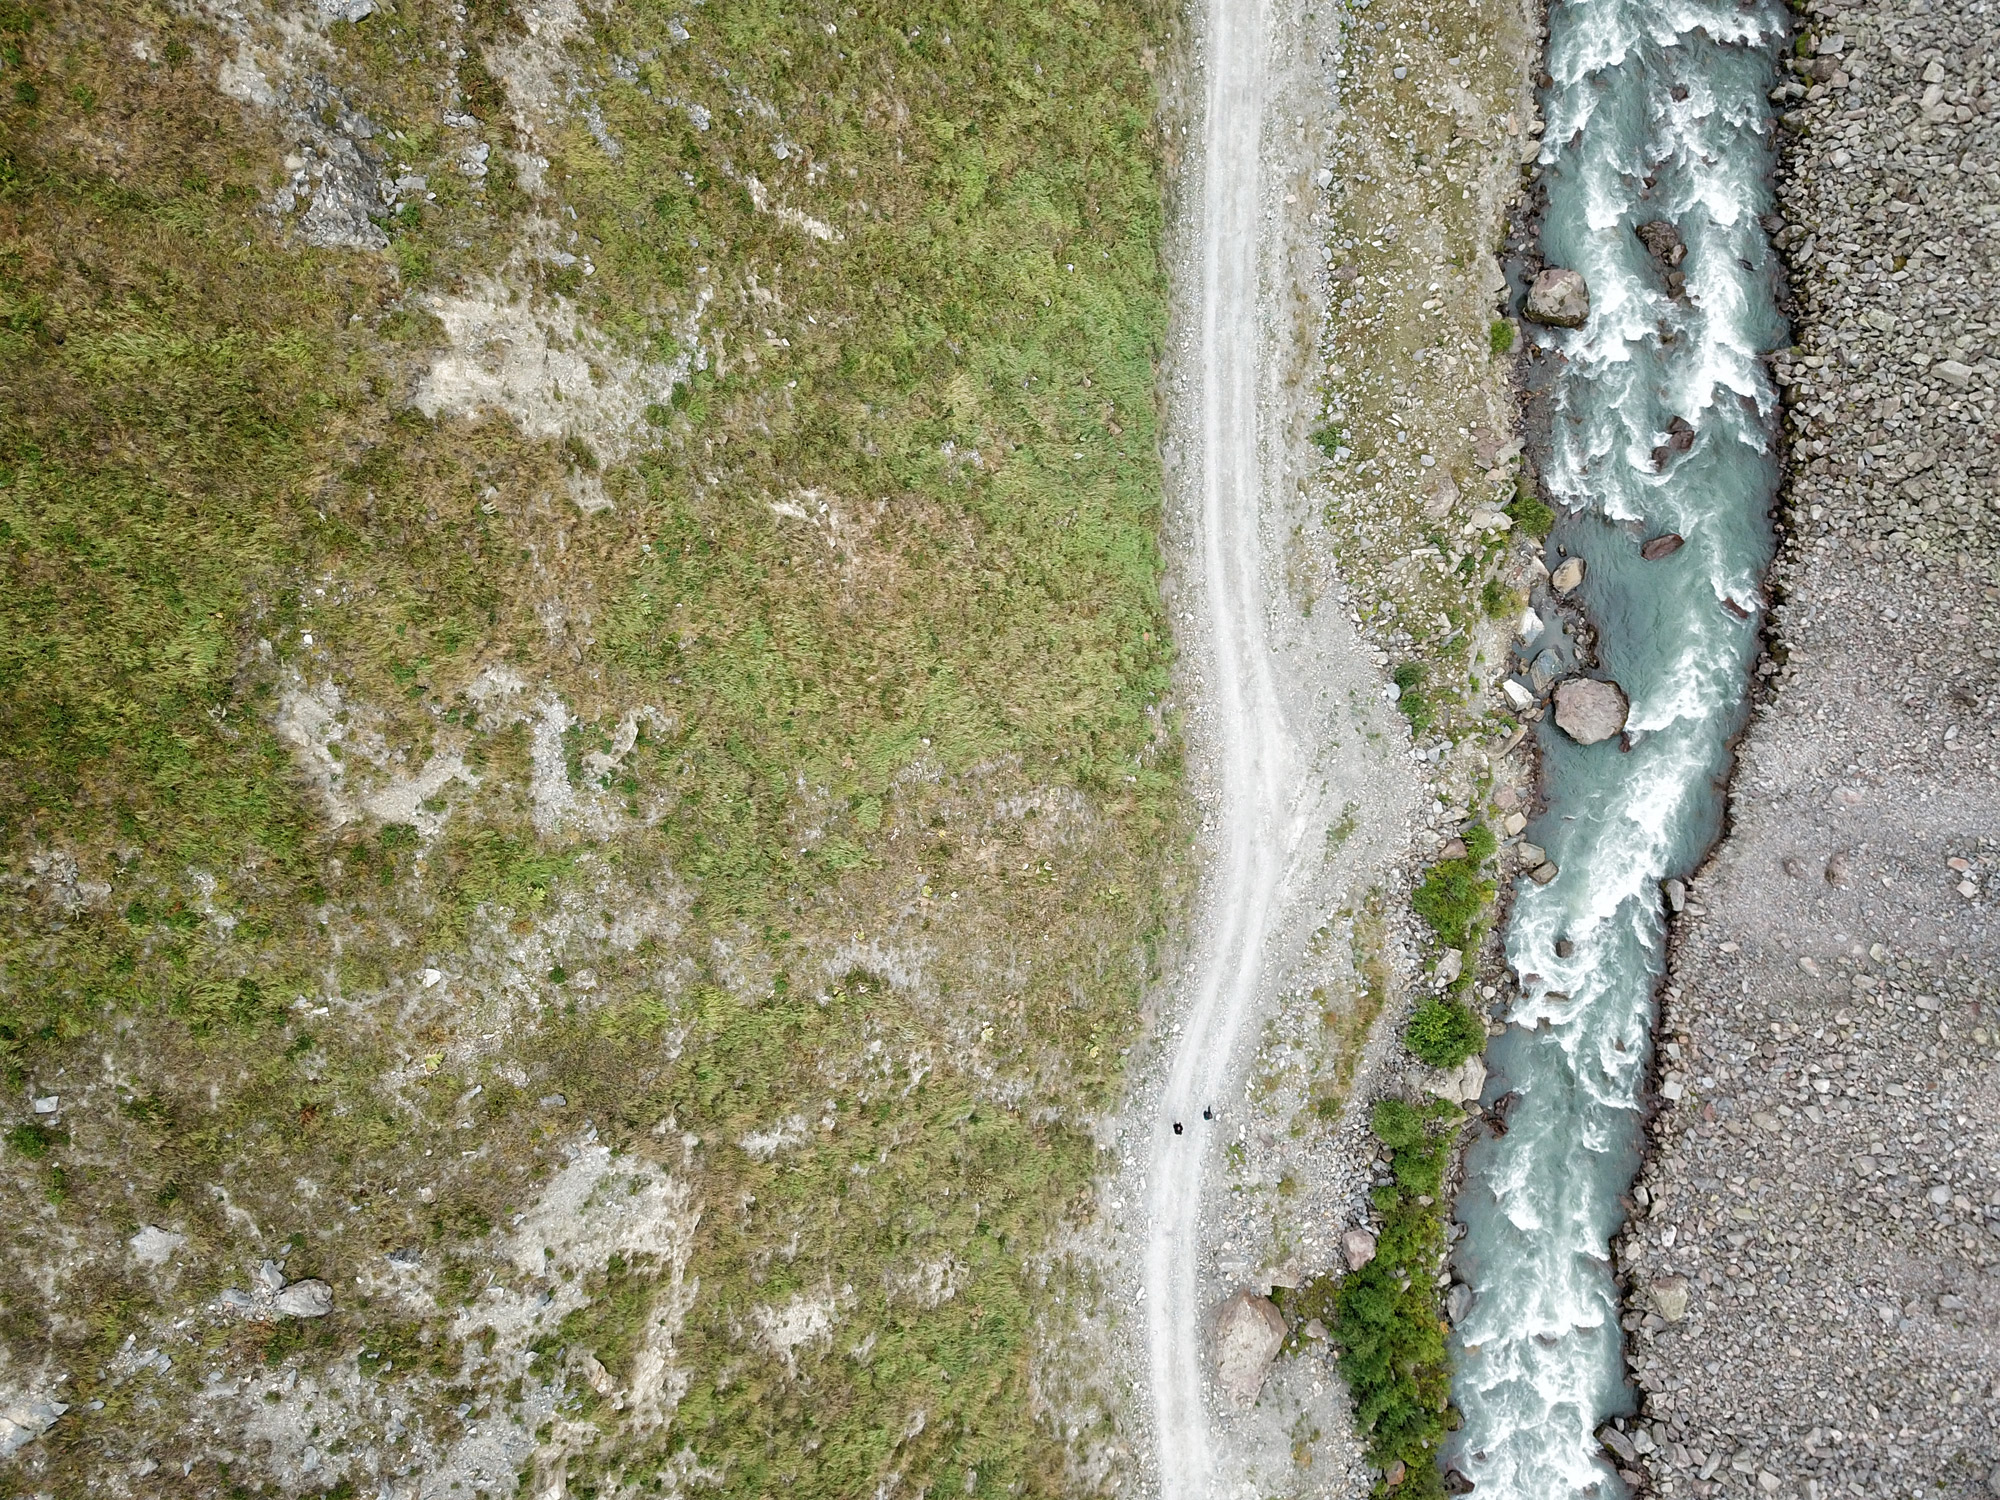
[1287,725]
[1257,759]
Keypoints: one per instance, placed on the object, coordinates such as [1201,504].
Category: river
[1657,112]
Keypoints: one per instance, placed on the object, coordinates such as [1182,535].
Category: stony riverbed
[1814,1257]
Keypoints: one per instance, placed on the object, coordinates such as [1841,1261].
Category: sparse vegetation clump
[1411,698]
[1500,337]
[1454,895]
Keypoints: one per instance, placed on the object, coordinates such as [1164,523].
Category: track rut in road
[1256,759]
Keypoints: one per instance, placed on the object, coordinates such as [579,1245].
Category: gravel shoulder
[1813,1260]
[1287,564]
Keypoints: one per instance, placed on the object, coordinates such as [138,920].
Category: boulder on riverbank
[1248,1332]
[1588,710]
[1560,298]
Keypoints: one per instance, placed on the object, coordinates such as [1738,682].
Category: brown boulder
[1559,298]
[1248,1332]
[1665,545]
[1588,710]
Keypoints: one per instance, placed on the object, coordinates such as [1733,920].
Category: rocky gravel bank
[1814,1254]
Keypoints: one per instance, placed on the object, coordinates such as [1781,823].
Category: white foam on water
[1540,1353]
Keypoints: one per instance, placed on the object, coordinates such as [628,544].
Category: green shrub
[1529,511]
[1385,1318]
[1411,699]
[1444,1033]
[1452,896]
[1501,336]
[1496,599]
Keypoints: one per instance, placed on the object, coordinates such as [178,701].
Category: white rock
[1450,966]
[48,1104]
[154,1246]
[304,1299]
[1461,1084]
[1358,1246]
[25,1418]
[1518,696]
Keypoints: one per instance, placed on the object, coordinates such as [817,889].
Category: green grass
[1500,337]
[206,455]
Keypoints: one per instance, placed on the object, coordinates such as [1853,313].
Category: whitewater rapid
[1656,112]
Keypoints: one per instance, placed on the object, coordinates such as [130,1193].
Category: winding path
[1257,763]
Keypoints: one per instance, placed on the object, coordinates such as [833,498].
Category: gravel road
[1256,758]
[1289,734]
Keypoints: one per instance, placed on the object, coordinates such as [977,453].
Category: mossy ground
[881,573]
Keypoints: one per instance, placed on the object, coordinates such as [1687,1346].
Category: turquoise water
[1540,1362]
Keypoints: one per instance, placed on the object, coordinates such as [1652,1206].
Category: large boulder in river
[1588,710]
[1248,1332]
[1559,299]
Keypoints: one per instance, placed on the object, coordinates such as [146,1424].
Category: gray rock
[1543,873]
[1545,669]
[1461,1084]
[1953,372]
[1670,1297]
[1588,710]
[304,1299]
[154,1246]
[1248,1332]
[1618,1443]
[1559,298]
[270,1276]
[1358,1245]
[1567,576]
[1458,1302]
[1450,966]
[25,1418]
